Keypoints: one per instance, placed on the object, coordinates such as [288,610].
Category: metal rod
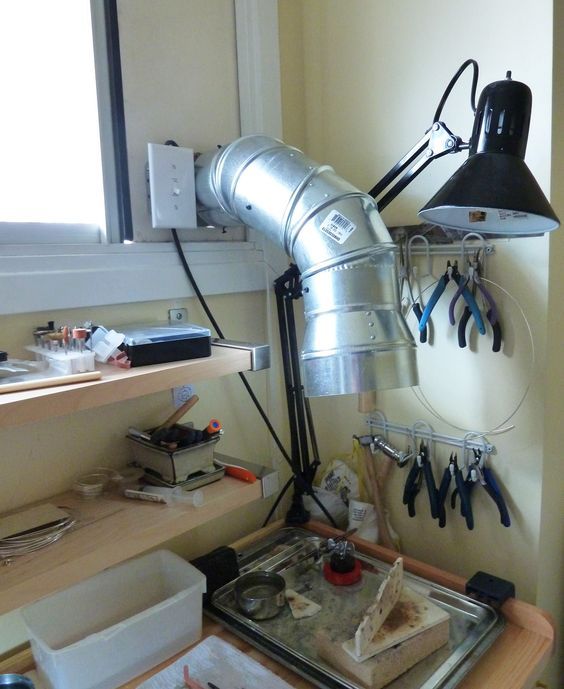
[423,434]
[445,249]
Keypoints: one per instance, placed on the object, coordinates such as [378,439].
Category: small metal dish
[15,681]
[260,595]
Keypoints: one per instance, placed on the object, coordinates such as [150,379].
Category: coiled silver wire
[22,544]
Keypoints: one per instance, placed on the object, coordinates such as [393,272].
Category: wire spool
[24,543]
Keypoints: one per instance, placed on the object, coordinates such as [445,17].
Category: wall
[361,81]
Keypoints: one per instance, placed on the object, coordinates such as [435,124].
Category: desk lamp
[493,191]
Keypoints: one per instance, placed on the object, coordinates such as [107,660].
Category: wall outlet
[177,316]
[171,187]
[181,394]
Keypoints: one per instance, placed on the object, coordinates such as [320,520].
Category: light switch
[171,187]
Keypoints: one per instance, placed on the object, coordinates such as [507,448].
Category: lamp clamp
[437,141]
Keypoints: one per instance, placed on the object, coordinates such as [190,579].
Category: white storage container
[118,624]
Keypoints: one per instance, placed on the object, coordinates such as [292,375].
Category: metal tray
[294,552]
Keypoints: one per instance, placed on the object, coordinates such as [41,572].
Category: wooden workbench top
[514,660]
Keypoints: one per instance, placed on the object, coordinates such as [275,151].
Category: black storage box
[160,344]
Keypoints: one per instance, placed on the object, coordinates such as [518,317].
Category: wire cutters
[452,273]
[421,468]
[462,489]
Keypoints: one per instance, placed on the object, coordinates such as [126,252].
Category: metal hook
[428,427]
[383,420]
[427,252]
[474,235]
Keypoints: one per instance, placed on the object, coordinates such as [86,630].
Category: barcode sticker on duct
[337,227]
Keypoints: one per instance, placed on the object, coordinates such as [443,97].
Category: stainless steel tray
[294,552]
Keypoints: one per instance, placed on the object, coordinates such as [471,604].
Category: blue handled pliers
[452,273]
[479,473]
[474,282]
[462,489]
[421,468]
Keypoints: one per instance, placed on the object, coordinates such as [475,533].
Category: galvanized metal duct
[356,339]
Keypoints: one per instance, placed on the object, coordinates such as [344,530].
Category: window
[51,173]
[46,267]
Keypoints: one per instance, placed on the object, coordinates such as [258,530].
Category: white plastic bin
[118,624]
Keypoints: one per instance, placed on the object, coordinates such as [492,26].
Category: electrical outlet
[181,394]
[177,316]
[171,186]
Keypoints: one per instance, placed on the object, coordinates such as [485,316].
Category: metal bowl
[15,681]
[260,595]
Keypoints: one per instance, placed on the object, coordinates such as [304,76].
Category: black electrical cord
[451,84]
[220,334]
[300,481]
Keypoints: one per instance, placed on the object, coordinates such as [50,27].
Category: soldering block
[489,589]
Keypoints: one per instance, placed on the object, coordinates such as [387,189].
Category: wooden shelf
[117,385]
[110,530]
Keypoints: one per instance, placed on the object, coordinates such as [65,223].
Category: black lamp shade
[494,191]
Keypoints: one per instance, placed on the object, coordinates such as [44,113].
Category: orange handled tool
[236,471]
[213,427]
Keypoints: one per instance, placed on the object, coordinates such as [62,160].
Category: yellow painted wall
[361,80]
[373,73]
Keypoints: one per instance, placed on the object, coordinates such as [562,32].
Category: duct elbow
[356,339]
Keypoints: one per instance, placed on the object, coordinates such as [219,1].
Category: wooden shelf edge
[117,385]
[121,530]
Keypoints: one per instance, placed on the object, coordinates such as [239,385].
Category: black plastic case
[160,344]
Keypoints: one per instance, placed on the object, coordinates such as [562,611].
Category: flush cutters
[452,273]
[421,468]
[454,471]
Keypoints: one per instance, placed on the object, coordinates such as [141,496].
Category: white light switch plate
[171,187]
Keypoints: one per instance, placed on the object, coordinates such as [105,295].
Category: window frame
[42,277]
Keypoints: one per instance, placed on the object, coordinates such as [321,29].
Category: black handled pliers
[479,473]
[486,479]
[452,273]
[421,468]
[462,489]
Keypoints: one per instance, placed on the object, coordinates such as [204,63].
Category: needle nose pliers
[479,473]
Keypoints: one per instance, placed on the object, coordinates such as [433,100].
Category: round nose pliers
[474,281]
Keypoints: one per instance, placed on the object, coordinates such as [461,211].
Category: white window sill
[74,276]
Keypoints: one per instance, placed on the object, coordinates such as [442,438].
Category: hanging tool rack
[446,249]
[423,431]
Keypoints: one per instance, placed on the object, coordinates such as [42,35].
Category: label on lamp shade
[512,215]
[337,226]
